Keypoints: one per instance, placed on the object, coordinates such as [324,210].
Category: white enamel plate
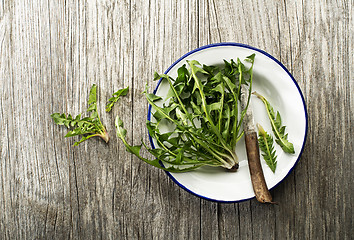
[275,83]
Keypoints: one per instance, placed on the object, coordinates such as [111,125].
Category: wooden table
[51,52]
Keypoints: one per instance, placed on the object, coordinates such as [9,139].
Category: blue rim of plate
[248,47]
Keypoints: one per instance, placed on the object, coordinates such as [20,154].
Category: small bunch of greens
[88,126]
[202,110]
[266,140]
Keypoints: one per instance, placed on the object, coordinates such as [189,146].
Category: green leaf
[214,106]
[175,90]
[266,145]
[161,112]
[92,102]
[153,97]
[115,97]
[228,69]
[183,74]
[210,69]
[230,86]
[84,138]
[60,119]
[180,115]
[219,88]
[278,129]
[250,58]
[156,76]
[196,109]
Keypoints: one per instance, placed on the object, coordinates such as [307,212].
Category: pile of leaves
[201,110]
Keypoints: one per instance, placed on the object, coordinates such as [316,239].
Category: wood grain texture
[51,52]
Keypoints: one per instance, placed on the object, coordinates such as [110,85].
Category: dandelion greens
[201,108]
[87,127]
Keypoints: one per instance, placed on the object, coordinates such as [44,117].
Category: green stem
[221,108]
[240,136]
[213,152]
[235,127]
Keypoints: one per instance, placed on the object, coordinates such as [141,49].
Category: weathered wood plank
[51,52]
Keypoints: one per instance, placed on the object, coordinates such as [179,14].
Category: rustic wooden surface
[51,52]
